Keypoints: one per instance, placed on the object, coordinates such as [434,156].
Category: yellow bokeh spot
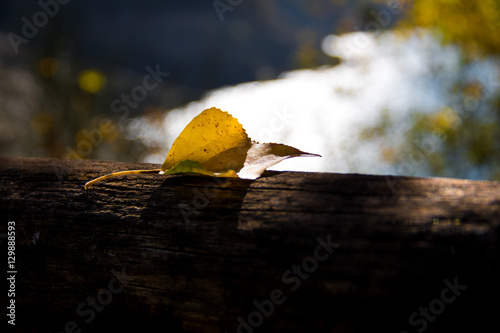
[446,119]
[91,81]
[48,66]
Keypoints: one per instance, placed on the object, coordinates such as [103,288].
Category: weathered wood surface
[192,254]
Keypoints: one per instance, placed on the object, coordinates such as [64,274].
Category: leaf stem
[119,173]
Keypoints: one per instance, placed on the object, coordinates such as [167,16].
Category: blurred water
[322,111]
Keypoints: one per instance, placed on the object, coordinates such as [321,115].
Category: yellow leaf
[188,167]
[215,139]
[215,144]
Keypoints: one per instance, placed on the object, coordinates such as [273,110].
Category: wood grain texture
[194,254]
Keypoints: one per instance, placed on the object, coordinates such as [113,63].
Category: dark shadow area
[176,243]
[186,223]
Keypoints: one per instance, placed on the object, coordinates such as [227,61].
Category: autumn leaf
[215,139]
[214,143]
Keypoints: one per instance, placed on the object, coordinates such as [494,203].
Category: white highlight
[322,111]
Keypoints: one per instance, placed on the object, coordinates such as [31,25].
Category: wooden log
[290,251]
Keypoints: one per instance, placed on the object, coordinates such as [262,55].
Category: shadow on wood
[291,251]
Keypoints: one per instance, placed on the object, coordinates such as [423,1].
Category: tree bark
[290,251]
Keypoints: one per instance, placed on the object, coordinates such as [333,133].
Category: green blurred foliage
[70,122]
[474,25]
[462,139]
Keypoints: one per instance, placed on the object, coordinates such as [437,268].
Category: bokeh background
[382,87]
